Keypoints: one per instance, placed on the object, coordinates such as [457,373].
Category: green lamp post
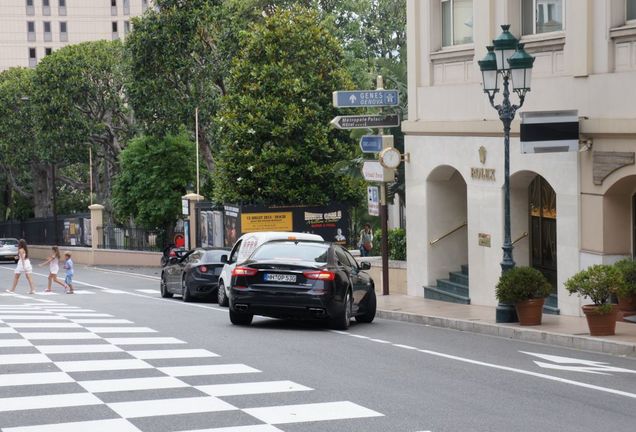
[506,58]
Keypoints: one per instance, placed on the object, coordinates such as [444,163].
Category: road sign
[365,98]
[366,121]
[375,143]
[373,200]
[373,171]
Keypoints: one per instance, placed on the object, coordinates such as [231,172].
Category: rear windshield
[8,242]
[292,251]
[214,255]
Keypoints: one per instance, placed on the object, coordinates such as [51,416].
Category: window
[31,31]
[47,31]
[62,7]
[126,7]
[63,32]
[48,51]
[630,10]
[114,26]
[541,16]
[62,3]
[32,57]
[126,27]
[457,22]
[46,7]
[113,7]
[30,9]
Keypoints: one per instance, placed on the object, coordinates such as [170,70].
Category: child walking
[24,266]
[54,267]
[68,266]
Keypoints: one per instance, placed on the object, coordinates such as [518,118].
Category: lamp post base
[506,313]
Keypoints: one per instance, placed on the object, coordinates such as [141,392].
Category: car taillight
[203,269]
[320,275]
[244,271]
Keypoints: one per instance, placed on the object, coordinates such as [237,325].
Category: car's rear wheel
[164,288]
[238,318]
[186,296]
[341,320]
[370,307]
[221,296]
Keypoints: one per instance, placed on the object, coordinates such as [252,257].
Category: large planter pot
[600,324]
[530,311]
[627,304]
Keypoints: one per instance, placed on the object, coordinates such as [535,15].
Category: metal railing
[432,242]
[128,238]
[521,237]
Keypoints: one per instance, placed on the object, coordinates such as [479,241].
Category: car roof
[8,238]
[281,235]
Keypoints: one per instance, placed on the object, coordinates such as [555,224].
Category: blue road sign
[365,98]
[371,143]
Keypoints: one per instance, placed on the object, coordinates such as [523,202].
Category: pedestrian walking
[54,267]
[365,243]
[24,266]
[68,266]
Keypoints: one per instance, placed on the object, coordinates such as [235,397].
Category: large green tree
[278,147]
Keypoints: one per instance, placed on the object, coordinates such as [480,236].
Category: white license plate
[277,277]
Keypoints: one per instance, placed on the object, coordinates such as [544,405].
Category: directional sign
[373,200]
[365,98]
[366,121]
[375,143]
[373,171]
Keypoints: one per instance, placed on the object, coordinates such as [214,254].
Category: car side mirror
[224,259]
[173,260]
[365,265]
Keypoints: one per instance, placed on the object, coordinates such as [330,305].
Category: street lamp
[506,58]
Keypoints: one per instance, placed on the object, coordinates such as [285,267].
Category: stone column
[97,220]
[192,198]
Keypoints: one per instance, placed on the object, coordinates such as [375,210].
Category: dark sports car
[194,274]
[302,279]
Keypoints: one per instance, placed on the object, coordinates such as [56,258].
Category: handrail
[521,237]
[432,242]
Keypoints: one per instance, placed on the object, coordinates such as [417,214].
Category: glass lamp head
[489,73]
[521,69]
[505,46]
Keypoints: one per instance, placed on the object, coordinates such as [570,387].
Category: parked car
[194,274]
[9,249]
[302,279]
[244,247]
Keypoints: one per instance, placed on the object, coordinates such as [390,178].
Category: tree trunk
[42,190]
[206,152]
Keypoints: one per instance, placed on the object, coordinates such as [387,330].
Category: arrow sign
[366,121]
[576,365]
[371,144]
[365,98]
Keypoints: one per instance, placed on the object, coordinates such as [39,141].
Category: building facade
[31,29]
[569,209]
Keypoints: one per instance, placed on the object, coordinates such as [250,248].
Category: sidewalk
[564,331]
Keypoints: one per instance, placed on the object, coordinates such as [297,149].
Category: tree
[154,174]
[277,146]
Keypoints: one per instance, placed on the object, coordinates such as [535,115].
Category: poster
[231,225]
[274,221]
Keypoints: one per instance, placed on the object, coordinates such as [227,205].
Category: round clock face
[390,157]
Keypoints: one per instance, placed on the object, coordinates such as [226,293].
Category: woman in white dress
[54,267]
[24,266]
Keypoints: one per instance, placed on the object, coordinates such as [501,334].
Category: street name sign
[373,200]
[366,121]
[365,98]
[375,143]
[373,171]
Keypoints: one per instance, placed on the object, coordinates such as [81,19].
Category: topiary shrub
[522,283]
[397,244]
[627,270]
[597,282]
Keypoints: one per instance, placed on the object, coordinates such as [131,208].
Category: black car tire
[164,288]
[342,318]
[186,296]
[238,318]
[370,307]
[221,296]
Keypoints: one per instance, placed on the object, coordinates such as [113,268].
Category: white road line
[241,389]
[144,341]
[100,321]
[148,291]
[250,428]
[102,365]
[32,317]
[172,354]
[59,336]
[10,359]
[65,311]
[46,325]
[20,379]
[59,307]
[121,330]
[221,369]
[25,312]
[86,315]
[80,292]
[77,349]
[4,343]
[143,276]
[48,401]
[163,407]
[409,347]
[6,330]
[106,425]
[131,384]
[311,412]
[382,341]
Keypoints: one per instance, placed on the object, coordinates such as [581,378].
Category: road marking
[87,315]
[144,341]
[7,330]
[409,347]
[131,384]
[32,317]
[106,425]
[10,359]
[163,407]
[141,275]
[311,412]
[77,349]
[25,312]
[221,369]
[172,354]
[100,321]
[21,379]
[102,365]
[148,291]
[250,428]
[48,401]
[252,388]
[5,343]
[60,336]
[585,366]
[46,325]
[121,330]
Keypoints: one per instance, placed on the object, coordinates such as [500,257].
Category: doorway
[543,239]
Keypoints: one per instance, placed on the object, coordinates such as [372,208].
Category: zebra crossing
[64,368]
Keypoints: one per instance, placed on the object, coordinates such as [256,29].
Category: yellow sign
[257,222]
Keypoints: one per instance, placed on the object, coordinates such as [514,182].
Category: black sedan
[302,279]
[194,274]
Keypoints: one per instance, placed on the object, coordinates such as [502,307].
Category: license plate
[277,277]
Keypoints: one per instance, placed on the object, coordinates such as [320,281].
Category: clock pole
[384,220]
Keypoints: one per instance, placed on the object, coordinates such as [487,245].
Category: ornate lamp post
[506,59]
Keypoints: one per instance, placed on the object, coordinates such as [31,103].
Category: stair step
[465,269]
[452,287]
[552,300]
[434,293]
[458,277]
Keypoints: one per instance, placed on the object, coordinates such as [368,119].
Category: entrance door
[542,209]
[634,226]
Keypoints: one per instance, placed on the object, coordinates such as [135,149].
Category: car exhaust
[241,307]
[317,312]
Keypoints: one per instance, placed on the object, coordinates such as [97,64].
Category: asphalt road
[62,370]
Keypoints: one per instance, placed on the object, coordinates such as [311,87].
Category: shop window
[457,22]
[630,10]
[541,16]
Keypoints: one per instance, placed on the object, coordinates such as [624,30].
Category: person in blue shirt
[68,266]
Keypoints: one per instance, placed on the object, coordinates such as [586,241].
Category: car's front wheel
[238,318]
[164,288]
[340,321]
[370,307]
[221,296]
[186,296]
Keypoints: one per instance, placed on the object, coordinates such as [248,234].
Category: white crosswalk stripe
[60,330]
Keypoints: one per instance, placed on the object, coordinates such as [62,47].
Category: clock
[390,157]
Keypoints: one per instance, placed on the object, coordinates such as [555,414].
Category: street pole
[196,126]
[55,234]
[384,220]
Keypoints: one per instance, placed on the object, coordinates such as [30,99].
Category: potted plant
[526,288]
[626,292]
[597,282]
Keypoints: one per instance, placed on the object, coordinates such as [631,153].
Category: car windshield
[8,242]
[214,255]
[292,251]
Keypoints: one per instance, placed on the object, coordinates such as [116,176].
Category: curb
[517,333]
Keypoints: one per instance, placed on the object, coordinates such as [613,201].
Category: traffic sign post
[375,143]
[373,200]
[365,98]
[366,121]
[373,171]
